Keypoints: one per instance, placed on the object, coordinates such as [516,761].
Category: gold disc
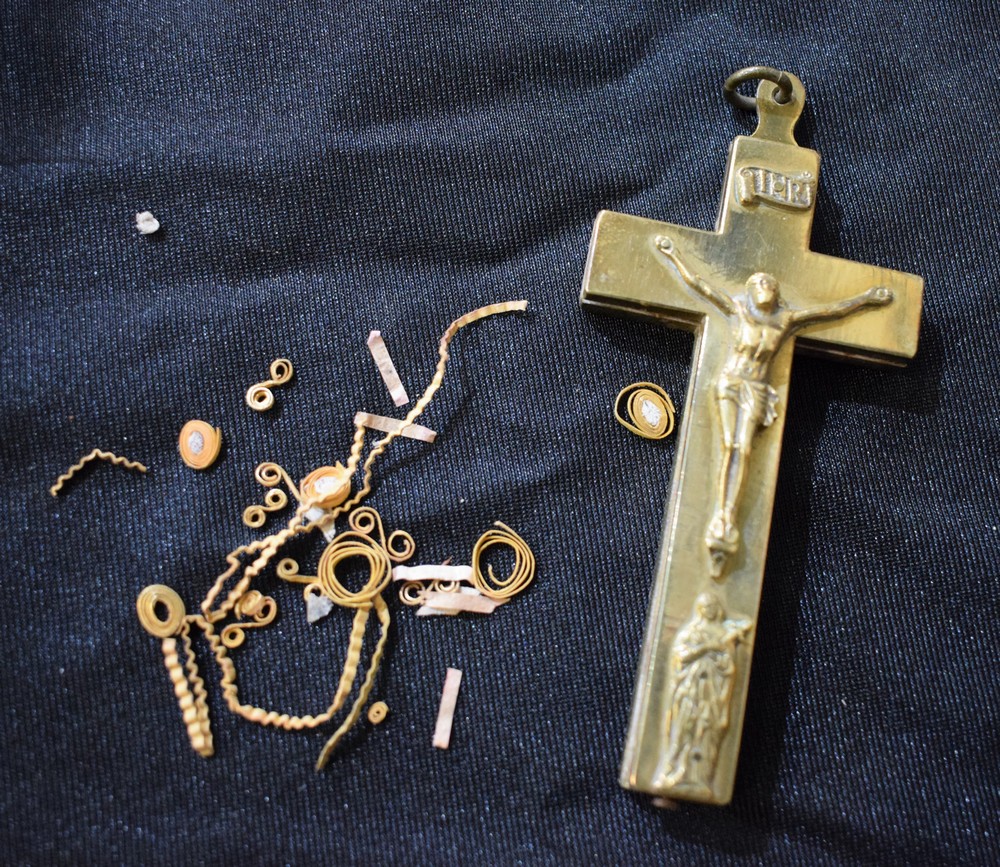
[326,487]
[649,410]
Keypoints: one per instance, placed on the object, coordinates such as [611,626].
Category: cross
[752,291]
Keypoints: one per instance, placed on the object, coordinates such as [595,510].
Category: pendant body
[752,291]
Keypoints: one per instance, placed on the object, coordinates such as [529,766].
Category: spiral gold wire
[524,564]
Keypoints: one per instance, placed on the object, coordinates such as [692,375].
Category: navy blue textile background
[323,169]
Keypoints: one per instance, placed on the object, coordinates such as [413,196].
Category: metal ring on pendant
[783,92]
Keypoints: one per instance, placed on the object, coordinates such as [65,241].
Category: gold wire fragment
[199,444]
[394,425]
[446,712]
[259,396]
[378,712]
[96,453]
[649,410]
[411,593]
[151,601]
[382,612]
[274,500]
[524,564]
[383,361]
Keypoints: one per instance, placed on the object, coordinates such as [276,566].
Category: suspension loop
[782,93]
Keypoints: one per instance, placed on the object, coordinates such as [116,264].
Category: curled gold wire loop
[288,570]
[524,564]
[259,608]
[411,593]
[345,546]
[649,411]
[274,500]
[156,596]
[782,93]
[259,396]
[270,474]
[399,545]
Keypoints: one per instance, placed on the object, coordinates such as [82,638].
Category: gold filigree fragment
[86,459]
[259,396]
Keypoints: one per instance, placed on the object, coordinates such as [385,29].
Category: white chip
[446,713]
[146,223]
[388,370]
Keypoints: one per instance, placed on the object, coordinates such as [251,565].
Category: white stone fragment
[146,223]
[317,607]
[196,442]
[651,412]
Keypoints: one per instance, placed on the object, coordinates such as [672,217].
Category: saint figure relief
[702,672]
[760,323]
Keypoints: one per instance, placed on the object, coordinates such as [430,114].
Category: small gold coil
[199,444]
[412,593]
[259,396]
[146,605]
[649,410]
[274,500]
[524,564]
[378,712]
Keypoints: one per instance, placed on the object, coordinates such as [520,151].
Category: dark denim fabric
[321,169]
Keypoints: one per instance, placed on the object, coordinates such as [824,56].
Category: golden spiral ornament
[524,564]
[146,607]
[649,411]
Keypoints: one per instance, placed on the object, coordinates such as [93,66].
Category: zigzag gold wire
[288,722]
[193,705]
[198,724]
[86,459]
[382,611]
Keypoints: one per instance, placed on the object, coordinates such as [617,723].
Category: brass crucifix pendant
[752,291]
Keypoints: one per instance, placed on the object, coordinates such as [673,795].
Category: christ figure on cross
[761,322]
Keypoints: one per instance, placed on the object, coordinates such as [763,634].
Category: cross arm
[883,333]
[665,246]
[626,274]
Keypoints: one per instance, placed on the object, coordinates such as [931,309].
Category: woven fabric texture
[321,169]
